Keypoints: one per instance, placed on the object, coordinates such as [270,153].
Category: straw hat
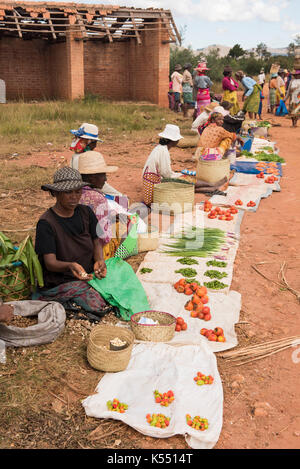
[89,131]
[92,162]
[64,180]
[239,73]
[178,67]
[296,72]
[171,132]
[211,106]
[201,67]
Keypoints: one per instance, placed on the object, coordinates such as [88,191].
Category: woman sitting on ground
[68,246]
[93,169]
[159,160]
[215,141]
[86,139]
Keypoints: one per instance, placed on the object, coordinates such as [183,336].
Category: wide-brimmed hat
[211,106]
[296,72]
[171,132]
[187,65]
[178,67]
[64,180]
[201,67]
[89,131]
[92,162]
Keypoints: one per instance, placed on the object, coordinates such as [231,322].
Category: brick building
[57,50]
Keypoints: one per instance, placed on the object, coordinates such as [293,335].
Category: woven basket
[148,241]
[174,197]
[213,171]
[14,283]
[162,332]
[99,354]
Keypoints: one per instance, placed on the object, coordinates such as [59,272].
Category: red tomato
[180,321]
[177,328]
[184,326]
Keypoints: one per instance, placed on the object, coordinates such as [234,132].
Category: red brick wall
[57,67]
[106,69]
[23,67]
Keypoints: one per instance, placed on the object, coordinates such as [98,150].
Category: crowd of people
[192,89]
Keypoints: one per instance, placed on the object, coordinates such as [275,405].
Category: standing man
[176,78]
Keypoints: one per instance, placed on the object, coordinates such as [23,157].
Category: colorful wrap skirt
[278,95]
[203,99]
[231,96]
[252,102]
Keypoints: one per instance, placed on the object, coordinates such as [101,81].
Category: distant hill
[224,50]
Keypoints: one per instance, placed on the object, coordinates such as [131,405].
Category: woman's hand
[100,269]
[6,313]
[79,272]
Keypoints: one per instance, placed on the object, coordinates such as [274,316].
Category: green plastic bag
[122,288]
[129,247]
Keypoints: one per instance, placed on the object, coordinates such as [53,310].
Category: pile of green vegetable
[186,272]
[187,261]
[215,285]
[216,263]
[145,270]
[215,274]
[196,242]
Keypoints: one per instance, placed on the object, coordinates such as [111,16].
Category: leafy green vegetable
[215,285]
[187,261]
[186,272]
[196,242]
[215,274]
[262,156]
[145,270]
[216,263]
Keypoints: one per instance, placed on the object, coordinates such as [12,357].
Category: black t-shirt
[45,239]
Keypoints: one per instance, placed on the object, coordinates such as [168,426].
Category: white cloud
[216,10]
[290,26]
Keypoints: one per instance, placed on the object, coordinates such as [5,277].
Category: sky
[227,22]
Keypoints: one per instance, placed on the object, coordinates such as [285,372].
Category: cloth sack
[121,288]
[281,110]
[149,180]
[51,322]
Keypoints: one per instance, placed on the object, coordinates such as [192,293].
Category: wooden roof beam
[17,23]
[135,29]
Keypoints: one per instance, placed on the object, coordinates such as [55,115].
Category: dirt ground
[261,399]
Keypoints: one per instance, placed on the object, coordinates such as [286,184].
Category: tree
[297,40]
[291,49]
[262,51]
[236,51]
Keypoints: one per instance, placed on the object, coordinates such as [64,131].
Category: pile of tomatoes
[214,335]
[238,202]
[217,212]
[260,175]
[158,420]
[197,422]
[181,325]
[117,406]
[251,204]
[164,399]
[203,379]
[271,179]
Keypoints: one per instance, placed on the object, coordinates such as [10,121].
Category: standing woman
[203,84]
[272,92]
[176,78]
[230,87]
[280,91]
[251,94]
[293,94]
[187,88]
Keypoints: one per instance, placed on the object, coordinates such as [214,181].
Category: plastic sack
[281,110]
[129,247]
[122,288]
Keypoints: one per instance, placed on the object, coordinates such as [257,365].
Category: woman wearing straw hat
[203,84]
[68,246]
[230,87]
[176,78]
[86,139]
[159,160]
[293,94]
[93,169]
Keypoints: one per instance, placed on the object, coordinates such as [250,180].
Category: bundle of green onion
[196,242]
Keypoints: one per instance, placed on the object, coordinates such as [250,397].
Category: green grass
[51,121]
